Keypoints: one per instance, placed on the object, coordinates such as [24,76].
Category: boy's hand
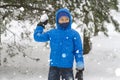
[80,69]
[43,20]
[80,66]
[42,24]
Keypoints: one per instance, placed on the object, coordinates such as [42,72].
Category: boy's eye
[67,19]
[62,19]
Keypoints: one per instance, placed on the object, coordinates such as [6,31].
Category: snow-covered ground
[103,61]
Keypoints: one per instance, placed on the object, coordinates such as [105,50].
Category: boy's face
[63,19]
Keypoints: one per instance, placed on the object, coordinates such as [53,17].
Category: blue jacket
[65,43]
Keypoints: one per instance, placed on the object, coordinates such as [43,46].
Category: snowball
[63,55]
[43,18]
[117,72]
[67,37]
[21,9]
[77,51]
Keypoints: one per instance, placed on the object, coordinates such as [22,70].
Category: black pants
[56,73]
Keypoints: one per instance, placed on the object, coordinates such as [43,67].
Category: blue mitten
[80,66]
[42,24]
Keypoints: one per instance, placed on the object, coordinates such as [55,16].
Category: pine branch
[28,7]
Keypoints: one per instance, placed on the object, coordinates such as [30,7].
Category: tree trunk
[0,43]
[86,42]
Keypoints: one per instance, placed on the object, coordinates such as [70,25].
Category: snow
[117,72]
[74,26]
[103,60]
[64,55]
[44,17]
[67,37]
[38,34]
[50,60]
[75,38]
[102,63]
[21,9]
[77,51]
[50,38]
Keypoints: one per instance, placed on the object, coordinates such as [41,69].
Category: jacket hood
[69,15]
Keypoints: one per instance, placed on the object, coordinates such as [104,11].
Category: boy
[65,44]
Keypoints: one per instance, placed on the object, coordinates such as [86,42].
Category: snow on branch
[24,6]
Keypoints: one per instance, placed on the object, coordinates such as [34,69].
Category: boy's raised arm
[39,35]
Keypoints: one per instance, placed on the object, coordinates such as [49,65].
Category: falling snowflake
[75,38]
[38,34]
[50,38]
[26,71]
[49,60]
[63,55]
[67,37]
[40,76]
[77,51]
[117,72]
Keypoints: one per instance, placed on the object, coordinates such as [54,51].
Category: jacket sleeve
[78,50]
[39,36]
